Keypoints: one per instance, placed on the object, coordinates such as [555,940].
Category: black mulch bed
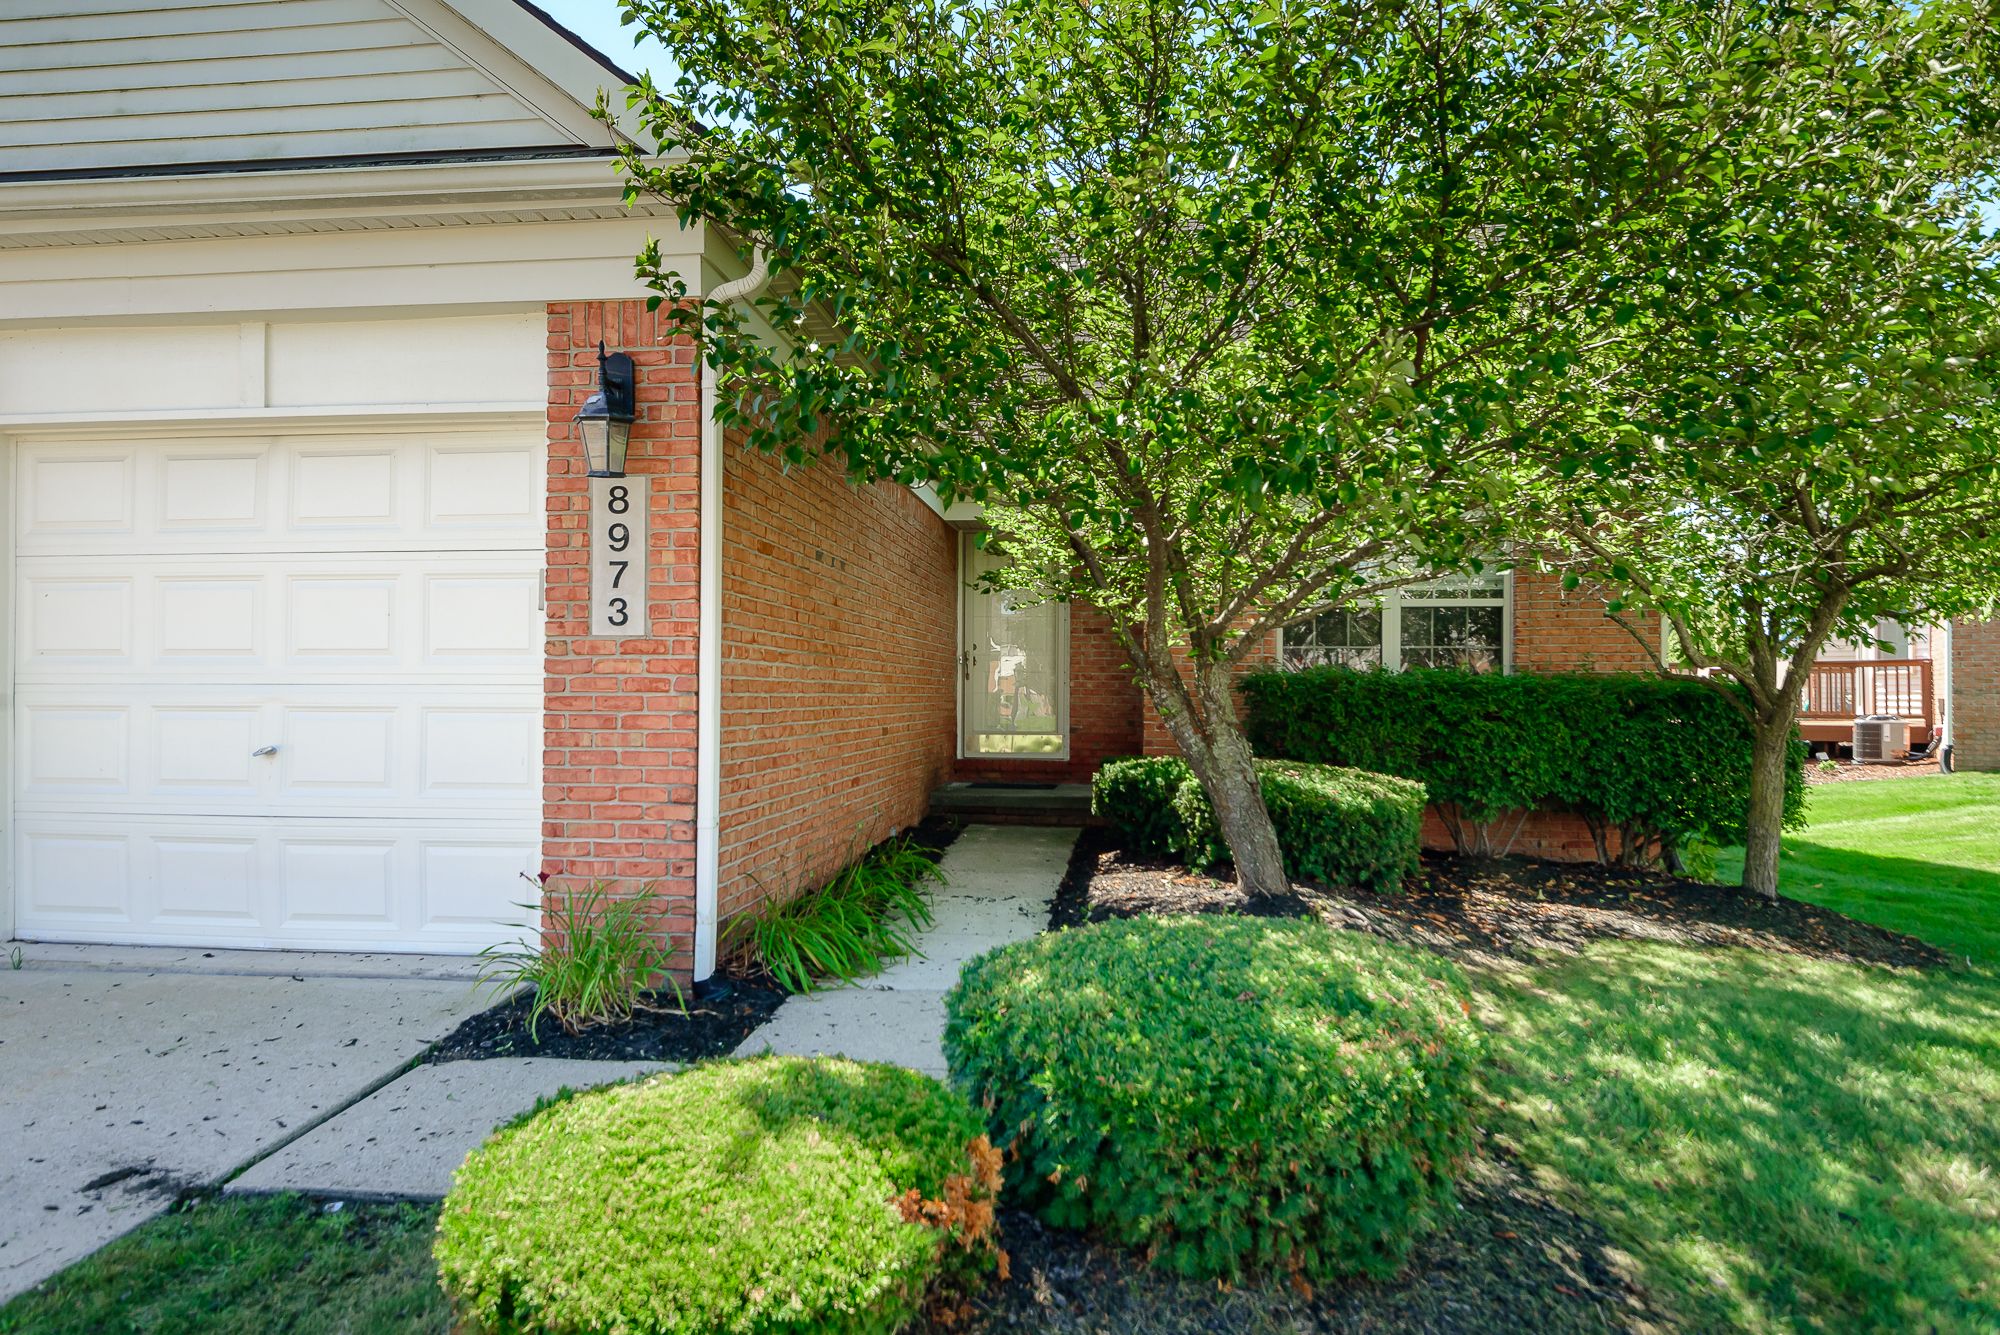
[1511,1261]
[714,1025]
[1509,906]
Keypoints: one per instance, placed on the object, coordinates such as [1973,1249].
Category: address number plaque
[618,547]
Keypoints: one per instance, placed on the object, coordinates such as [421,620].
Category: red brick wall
[1975,693]
[1158,741]
[838,650]
[618,765]
[1559,836]
[1556,631]
[1104,710]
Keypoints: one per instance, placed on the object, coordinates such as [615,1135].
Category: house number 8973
[618,511]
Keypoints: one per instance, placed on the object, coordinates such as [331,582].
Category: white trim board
[263,370]
[506,264]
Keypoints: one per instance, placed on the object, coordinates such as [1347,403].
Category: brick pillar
[1975,694]
[618,764]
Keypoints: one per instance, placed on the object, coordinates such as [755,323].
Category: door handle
[265,751]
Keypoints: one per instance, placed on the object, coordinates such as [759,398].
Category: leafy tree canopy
[1230,307]
[1228,310]
[1793,429]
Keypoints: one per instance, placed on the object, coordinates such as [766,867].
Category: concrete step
[1015,804]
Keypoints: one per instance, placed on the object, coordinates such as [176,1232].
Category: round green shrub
[1230,1093]
[1135,797]
[776,1194]
[1344,827]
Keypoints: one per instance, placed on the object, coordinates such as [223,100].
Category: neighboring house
[1972,693]
[1897,673]
[298,301]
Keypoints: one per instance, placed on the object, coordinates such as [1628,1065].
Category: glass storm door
[1013,667]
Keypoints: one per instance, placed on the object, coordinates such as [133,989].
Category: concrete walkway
[999,881]
[408,1138]
[130,1075]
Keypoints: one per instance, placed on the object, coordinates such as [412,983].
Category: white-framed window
[1462,621]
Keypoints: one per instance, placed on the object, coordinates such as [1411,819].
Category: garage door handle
[265,751]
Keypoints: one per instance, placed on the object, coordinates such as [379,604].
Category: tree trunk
[1770,741]
[1238,799]
[1211,739]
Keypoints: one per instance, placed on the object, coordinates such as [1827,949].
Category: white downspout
[708,651]
[1943,664]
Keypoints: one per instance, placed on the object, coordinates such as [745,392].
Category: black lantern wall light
[604,423]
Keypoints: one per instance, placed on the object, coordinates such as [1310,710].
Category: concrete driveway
[129,1075]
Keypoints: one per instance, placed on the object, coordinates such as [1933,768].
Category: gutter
[708,651]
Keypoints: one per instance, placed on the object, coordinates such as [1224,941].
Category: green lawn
[1782,1145]
[251,1265]
[1920,856]
[1786,1145]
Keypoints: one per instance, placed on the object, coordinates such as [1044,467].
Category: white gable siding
[109,84]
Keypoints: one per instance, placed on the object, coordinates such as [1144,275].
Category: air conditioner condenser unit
[1879,738]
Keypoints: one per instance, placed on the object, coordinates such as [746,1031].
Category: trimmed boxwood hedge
[1657,759]
[1340,826]
[1135,796]
[1232,1094]
[776,1194]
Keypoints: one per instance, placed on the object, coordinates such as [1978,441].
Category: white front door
[1013,666]
[278,691]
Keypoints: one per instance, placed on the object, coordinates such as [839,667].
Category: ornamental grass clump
[868,915]
[1231,1095]
[597,956]
[776,1194]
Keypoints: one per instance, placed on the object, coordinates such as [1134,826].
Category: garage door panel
[338,750]
[211,618]
[77,623]
[212,881]
[480,754]
[278,691]
[206,750]
[459,876]
[430,886]
[280,619]
[84,493]
[330,884]
[64,751]
[441,490]
[348,749]
[345,487]
[346,617]
[212,490]
[475,616]
[481,486]
[74,878]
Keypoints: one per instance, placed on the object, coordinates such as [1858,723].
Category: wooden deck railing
[1847,691]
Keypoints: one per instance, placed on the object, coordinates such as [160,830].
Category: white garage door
[277,692]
